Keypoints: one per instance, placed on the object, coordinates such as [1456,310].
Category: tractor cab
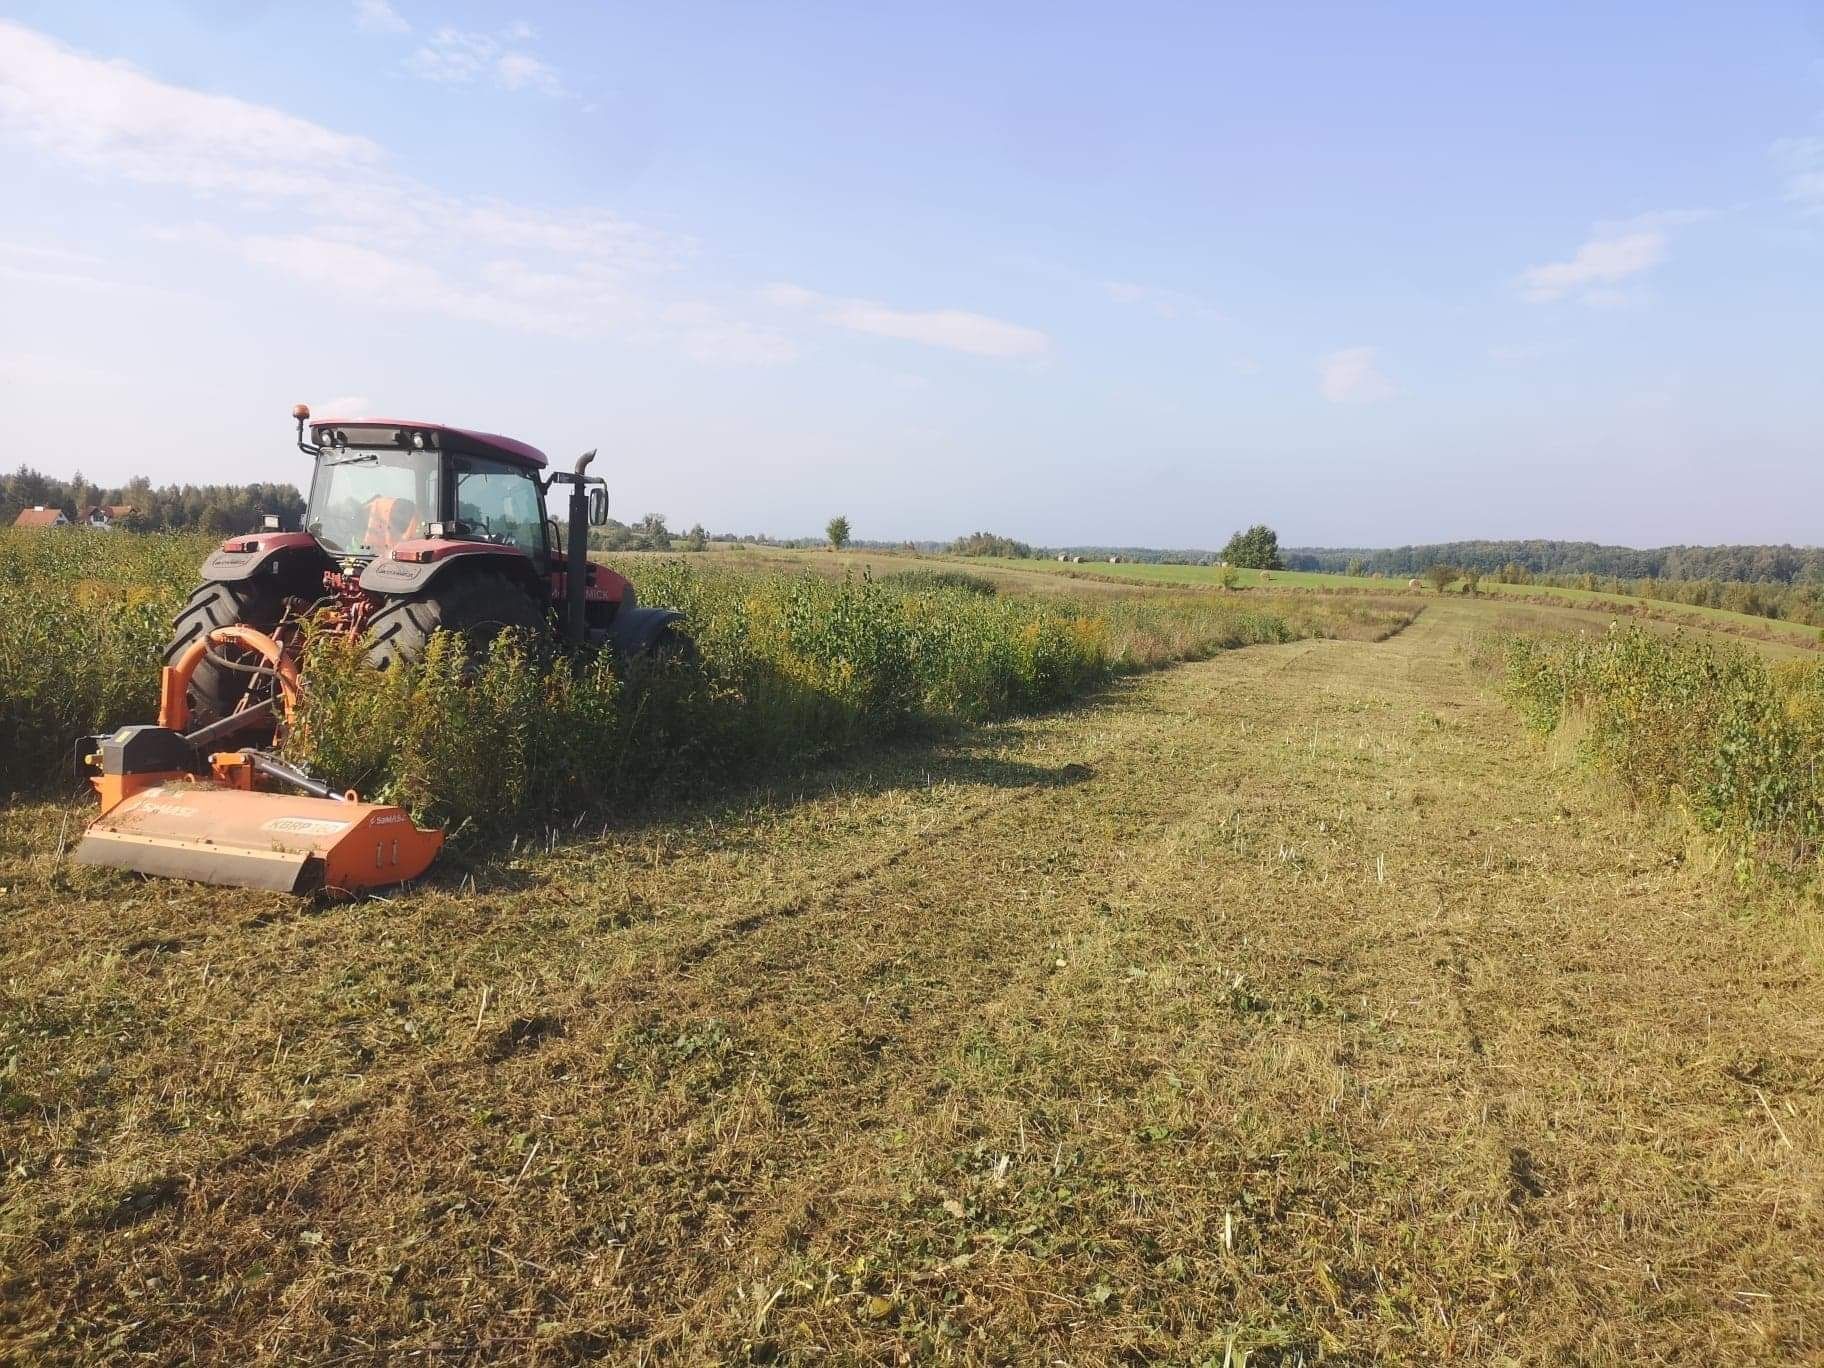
[380,484]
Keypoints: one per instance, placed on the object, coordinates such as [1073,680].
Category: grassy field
[1043,576]
[1205,577]
[1286,1006]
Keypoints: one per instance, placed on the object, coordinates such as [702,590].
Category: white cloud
[790,296]
[955,329]
[41,251]
[108,117]
[707,335]
[569,300]
[66,280]
[38,371]
[377,16]
[1802,161]
[1353,376]
[1596,267]
[456,57]
[40,264]
[1614,253]
[382,236]
[591,233]
[1515,353]
[1165,303]
[522,71]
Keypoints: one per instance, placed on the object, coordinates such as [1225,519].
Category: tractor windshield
[364,502]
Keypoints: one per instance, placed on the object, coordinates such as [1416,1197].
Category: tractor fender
[266,553]
[412,566]
[635,629]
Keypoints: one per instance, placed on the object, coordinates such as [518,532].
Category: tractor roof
[368,432]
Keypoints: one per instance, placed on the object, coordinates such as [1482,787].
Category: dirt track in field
[1287,1003]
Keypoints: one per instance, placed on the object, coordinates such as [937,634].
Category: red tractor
[412,528]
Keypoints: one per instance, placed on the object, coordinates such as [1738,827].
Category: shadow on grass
[963,755]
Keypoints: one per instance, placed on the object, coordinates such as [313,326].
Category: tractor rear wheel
[216,691]
[479,606]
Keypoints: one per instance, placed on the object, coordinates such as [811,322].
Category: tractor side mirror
[598,507]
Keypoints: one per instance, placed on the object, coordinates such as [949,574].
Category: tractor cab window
[362,503]
[500,502]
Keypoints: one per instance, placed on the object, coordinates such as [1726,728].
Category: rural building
[106,515]
[41,517]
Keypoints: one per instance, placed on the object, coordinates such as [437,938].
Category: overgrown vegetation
[794,667]
[942,579]
[1802,603]
[83,620]
[1717,729]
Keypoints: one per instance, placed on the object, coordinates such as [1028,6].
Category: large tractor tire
[478,605]
[216,691]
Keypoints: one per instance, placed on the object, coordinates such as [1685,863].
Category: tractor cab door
[500,503]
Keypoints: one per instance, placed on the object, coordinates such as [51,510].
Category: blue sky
[1136,274]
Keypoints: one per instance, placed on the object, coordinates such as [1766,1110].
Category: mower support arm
[290,774]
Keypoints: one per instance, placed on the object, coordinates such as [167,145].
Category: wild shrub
[488,743]
[792,668]
[1713,728]
[923,580]
[83,618]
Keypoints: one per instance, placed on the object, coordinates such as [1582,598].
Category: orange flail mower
[227,825]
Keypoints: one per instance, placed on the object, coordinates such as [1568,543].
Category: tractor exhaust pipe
[576,543]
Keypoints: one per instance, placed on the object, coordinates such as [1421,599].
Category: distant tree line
[648,534]
[989,544]
[1748,564]
[1769,599]
[164,508]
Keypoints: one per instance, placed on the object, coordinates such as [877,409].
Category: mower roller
[411,528]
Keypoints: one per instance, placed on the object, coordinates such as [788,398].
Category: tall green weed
[1716,729]
[794,667]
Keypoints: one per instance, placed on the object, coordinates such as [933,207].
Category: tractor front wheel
[478,606]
